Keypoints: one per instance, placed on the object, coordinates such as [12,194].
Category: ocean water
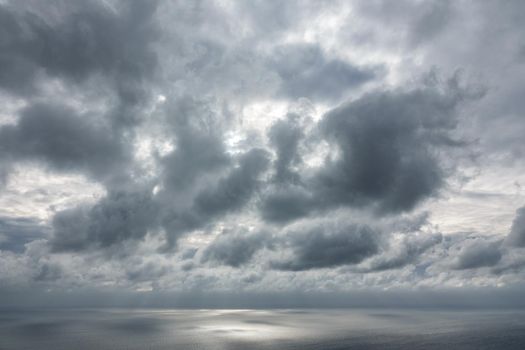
[261,329]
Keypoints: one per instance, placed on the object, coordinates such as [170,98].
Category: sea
[101,329]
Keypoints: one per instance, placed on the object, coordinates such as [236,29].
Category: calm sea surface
[261,329]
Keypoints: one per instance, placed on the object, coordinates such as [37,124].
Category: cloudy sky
[261,146]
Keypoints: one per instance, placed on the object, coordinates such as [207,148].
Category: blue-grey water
[261,329]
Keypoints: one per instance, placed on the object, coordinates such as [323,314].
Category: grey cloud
[49,272]
[431,19]
[286,199]
[285,135]
[305,71]
[476,253]
[188,266]
[252,278]
[434,27]
[64,140]
[230,193]
[192,168]
[89,48]
[516,237]
[146,272]
[387,143]
[329,245]
[5,169]
[271,18]
[196,156]
[285,203]
[512,262]
[412,23]
[234,191]
[408,251]
[235,248]
[87,39]
[189,253]
[118,217]
[200,75]
[199,145]
[15,232]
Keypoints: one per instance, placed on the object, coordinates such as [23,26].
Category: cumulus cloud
[118,217]
[516,236]
[235,248]
[285,135]
[64,140]
[82,41]
[403,251]
[415,23]
[199,145]
[230,194]
[388,144]
[386,147]
[329,245]
[306,72]
[233,191]
[15,232]
[478,253]
[74,50]
[261,145]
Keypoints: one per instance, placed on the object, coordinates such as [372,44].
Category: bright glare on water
[261,329]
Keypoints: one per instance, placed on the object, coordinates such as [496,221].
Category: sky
[248,148]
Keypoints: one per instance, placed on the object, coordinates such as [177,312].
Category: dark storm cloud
[516,237]
[305,71]
[62,139]
[329,245]
[118,217]
[86,38]
[15,232]
[387,143]
[235,248]
[478,253]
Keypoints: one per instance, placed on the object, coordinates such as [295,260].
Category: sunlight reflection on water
[260,329]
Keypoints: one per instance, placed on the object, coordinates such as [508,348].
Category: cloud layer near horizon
[261,146]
